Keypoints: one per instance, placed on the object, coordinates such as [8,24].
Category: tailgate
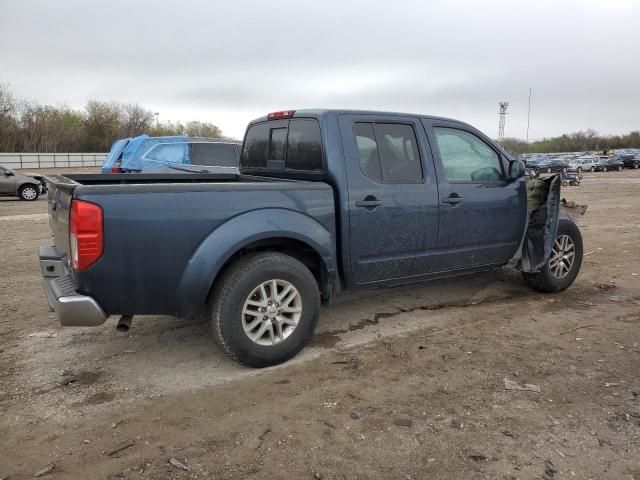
[60,193]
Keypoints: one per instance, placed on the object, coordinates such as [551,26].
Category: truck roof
[314,112]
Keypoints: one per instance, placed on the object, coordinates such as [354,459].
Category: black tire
[604,169]
[28,192]
[544,281]
[635,165]
[619,168]
[235,286]
[565,183]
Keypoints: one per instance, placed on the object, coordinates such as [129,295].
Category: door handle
[370,202]
[453,199]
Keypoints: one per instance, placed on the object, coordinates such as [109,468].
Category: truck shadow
[162,355]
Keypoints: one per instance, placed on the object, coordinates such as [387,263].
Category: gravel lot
[398,383]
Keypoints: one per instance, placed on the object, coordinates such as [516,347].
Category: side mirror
[516,169]
[7,173]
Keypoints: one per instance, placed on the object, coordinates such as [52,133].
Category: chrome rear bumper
[72,308]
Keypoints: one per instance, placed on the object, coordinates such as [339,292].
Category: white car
[582,164]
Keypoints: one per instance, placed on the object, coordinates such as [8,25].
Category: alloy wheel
[271,312]
[563,256]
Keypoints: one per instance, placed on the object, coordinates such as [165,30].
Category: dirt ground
[398,383]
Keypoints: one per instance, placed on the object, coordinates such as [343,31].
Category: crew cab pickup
[325,200]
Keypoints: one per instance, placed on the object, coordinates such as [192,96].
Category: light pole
[157,114]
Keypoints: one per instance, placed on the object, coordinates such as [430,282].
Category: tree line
[583,141]
[27,126]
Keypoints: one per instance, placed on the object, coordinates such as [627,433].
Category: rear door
[482,215]
[393,197]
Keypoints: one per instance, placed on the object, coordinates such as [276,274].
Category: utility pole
[529,115]
[503,116]
[157,114]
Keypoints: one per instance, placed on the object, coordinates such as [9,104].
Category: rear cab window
[283,145]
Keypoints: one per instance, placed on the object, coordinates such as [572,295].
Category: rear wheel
[564,264]
[264,309]
[28,192]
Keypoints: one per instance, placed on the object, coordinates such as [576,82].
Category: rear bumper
[72,308]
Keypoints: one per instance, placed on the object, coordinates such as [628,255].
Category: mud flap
[543,226]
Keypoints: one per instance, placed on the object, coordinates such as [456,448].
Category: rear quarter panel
[158,256]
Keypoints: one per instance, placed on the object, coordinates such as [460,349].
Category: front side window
[466,158]
[168,153]
[388,152]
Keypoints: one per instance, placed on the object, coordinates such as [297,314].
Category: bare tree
[136,120]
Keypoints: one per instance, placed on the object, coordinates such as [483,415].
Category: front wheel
[264,309]
[564,263]
[619,168]
[28,192]
[604,169]
[635,165]
[592,169]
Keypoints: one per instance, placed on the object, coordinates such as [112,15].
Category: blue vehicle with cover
[325,200]
[179,153]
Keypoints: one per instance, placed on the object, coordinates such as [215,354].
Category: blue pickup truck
[325,200]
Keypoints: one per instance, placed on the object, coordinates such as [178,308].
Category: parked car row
[583,163]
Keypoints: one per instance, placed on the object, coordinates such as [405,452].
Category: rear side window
[292,145]
[467,158]
[388,152]
[214,154]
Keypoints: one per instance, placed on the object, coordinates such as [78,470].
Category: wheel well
[297,249]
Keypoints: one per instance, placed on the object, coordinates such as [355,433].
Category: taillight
[282,114]
[85,234]
[116,170]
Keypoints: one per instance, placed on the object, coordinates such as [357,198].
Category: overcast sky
[230,61]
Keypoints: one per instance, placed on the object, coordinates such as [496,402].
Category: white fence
[51,160]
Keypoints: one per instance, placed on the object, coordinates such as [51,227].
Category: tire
[240,284]
[28,192]
[619,168]
[592,169]
[635,165]
[547,282]
[549,170]
[604,169]
[579,170]
[565,183]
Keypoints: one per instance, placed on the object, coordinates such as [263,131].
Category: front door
[482,215]
[7,182]
[393,197]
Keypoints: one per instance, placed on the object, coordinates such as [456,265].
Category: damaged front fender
[545,208]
